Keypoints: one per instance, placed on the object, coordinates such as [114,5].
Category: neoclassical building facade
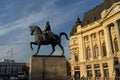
[95,43]
[10,67]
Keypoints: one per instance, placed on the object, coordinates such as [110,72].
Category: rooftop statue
[46,37]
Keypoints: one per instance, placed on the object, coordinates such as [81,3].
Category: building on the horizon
[95,43]
[9,67]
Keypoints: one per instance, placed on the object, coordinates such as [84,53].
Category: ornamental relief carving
[111,11]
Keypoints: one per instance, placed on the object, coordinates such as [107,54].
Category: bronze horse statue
[42,38]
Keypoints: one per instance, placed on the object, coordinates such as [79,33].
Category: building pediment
[115,8]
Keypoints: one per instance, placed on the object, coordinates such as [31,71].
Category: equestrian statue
[46,37]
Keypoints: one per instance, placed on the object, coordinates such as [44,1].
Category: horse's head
[34,28]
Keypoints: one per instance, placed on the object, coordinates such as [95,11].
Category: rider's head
[47,22]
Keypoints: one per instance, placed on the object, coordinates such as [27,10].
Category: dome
[74,29]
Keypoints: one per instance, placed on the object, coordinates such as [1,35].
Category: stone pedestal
[44,67]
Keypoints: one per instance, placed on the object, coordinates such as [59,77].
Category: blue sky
[17,15]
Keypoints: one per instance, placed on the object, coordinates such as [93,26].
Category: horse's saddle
[48,35]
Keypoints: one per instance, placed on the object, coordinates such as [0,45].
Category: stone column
[93,71]
[73,60]
[111,69]
[101,70]
[91,47]
[83,47]
[117,33]
[108,41]
[99,45]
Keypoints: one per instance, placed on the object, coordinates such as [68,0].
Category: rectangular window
[106,72]
[88,53]
[94,35]
[105,69]
[117,71]
[97,70]
[97,73]
[76,58]
[89,70]
[86,38]
[89,73]
[101,33]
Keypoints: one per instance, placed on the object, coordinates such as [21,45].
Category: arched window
[96,51]
[116,45]
[88,53]
[104,51]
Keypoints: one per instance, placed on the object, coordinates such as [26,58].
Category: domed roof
[74,29]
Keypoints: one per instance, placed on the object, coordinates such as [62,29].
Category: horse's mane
[38,28]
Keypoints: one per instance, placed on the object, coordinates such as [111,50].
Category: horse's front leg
[61,49]
[53,49]
[31,44]
[38,48]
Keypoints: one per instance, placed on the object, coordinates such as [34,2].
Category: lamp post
[10,60]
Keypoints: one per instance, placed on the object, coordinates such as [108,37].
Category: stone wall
[48,68]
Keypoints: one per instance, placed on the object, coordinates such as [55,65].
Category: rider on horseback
[48,31]
[46,37]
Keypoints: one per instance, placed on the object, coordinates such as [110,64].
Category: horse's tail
[63,33]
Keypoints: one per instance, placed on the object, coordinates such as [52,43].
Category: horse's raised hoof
[50,55]
[31,48]
[62,55]
[35,54]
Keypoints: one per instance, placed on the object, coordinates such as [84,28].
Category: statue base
[44,67]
